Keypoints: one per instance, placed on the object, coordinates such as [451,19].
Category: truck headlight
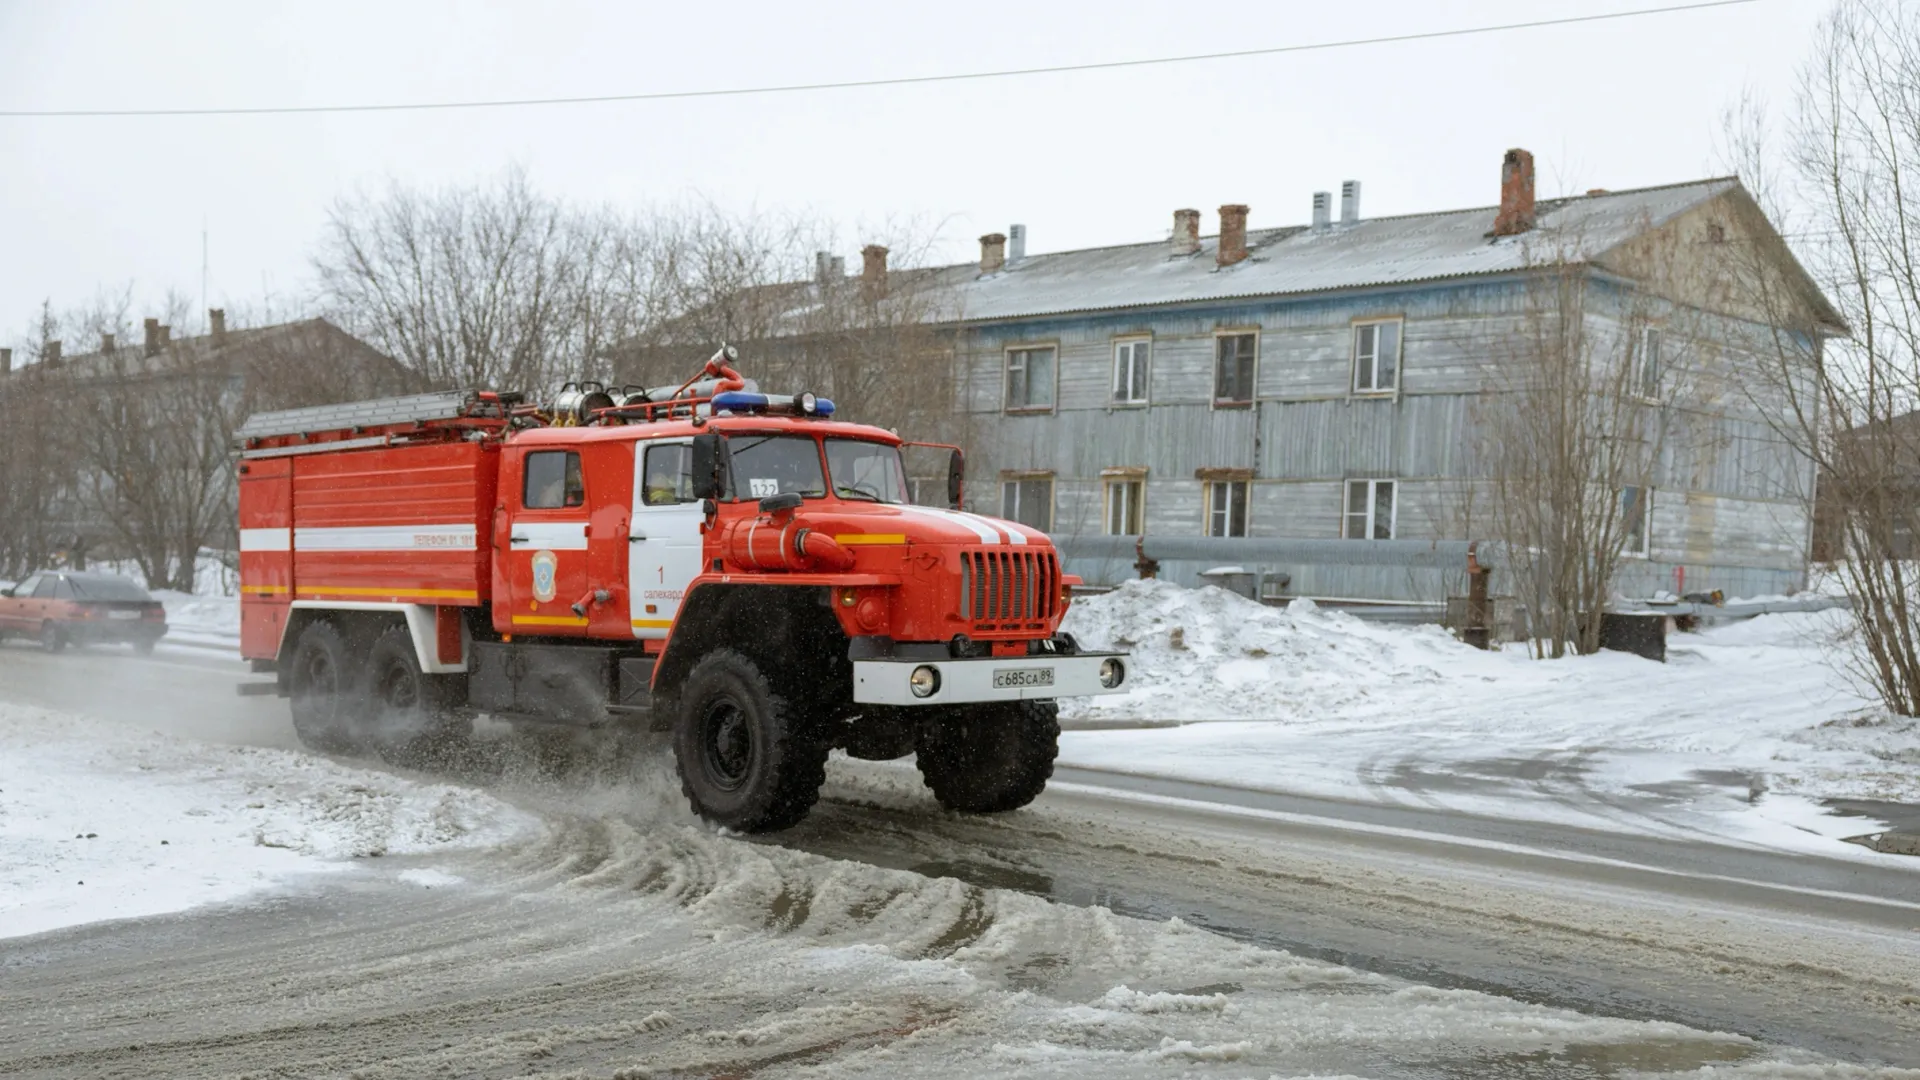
[925,681]
[1112,672]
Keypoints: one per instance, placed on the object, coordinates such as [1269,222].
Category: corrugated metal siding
[1313,435]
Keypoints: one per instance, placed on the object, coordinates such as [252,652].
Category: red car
[61,607]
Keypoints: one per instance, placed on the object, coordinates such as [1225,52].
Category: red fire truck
[738,568]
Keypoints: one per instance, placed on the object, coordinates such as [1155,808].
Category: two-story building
[1329,379]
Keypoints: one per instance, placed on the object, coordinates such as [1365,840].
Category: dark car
[61,607]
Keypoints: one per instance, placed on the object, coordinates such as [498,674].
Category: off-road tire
[412,718]
[51,639]
[989,758]
[322,691]
[749,759]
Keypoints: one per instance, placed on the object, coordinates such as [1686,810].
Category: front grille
[1008,588]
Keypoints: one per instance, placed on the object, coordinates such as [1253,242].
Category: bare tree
[485,286]
[1571,430]
[1846,183]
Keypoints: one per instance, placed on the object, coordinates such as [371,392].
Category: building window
[1030,379]
[1636,507]
[1125,499]
[1370,507]
[553,481]
[1130,371]
[1227,508]
[1376,357]
[1028,500]
[1233,368]
[1646,365]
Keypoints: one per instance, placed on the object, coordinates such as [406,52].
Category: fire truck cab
[738,568]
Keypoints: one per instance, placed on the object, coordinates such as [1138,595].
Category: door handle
[636,538]
[517,540]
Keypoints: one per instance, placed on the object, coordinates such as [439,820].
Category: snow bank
[1208,654]
[201,620]
[98,821]
[1305,699]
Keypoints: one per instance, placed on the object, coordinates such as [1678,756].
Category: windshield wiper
[859,494]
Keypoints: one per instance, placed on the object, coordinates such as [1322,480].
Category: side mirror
[8,591]
[956,478]
[712,466]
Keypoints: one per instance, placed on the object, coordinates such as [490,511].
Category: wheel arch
[363,622]
[765,621]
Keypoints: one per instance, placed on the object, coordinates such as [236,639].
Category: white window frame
[1006,377]
[1137,502]
[1013,483]
[1647,365]
[1348,513]
[1644,549]
[1217,488]
[1253,378]
[1139,353]
[1370,364]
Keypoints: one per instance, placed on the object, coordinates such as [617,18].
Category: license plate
[123,614]
[1014,678]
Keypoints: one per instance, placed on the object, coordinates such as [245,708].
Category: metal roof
[1297,259]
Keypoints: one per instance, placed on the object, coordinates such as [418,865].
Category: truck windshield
[766,465]
[866,471]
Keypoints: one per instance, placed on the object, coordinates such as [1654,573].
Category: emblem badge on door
[546,572]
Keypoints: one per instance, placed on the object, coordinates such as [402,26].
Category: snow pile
[1208,654]
[1740,714]
[201,620]
[98,821]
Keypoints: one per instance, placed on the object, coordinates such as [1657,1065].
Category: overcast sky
[1082,159]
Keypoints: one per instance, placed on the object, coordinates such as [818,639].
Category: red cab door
[544,515]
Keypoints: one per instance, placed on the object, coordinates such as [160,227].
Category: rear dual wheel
[345,700]
[412,716]
[321,690]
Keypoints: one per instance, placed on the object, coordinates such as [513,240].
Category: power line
[910,80]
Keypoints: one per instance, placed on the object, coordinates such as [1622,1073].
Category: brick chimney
[1233,234]
[6,362]
[1516,194]
[1186,232]
[993,252]
[166,336]
[873,271]
[152,343]
[50,355]
[106,343]
[217,325]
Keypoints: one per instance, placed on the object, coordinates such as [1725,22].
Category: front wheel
[51,639]
[414,718]
[749,759]
[988,758]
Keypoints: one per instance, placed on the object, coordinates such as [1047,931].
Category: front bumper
[987,678]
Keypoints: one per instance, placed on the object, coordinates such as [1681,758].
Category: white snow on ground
[102,821]
[205,621]
[1304,699]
